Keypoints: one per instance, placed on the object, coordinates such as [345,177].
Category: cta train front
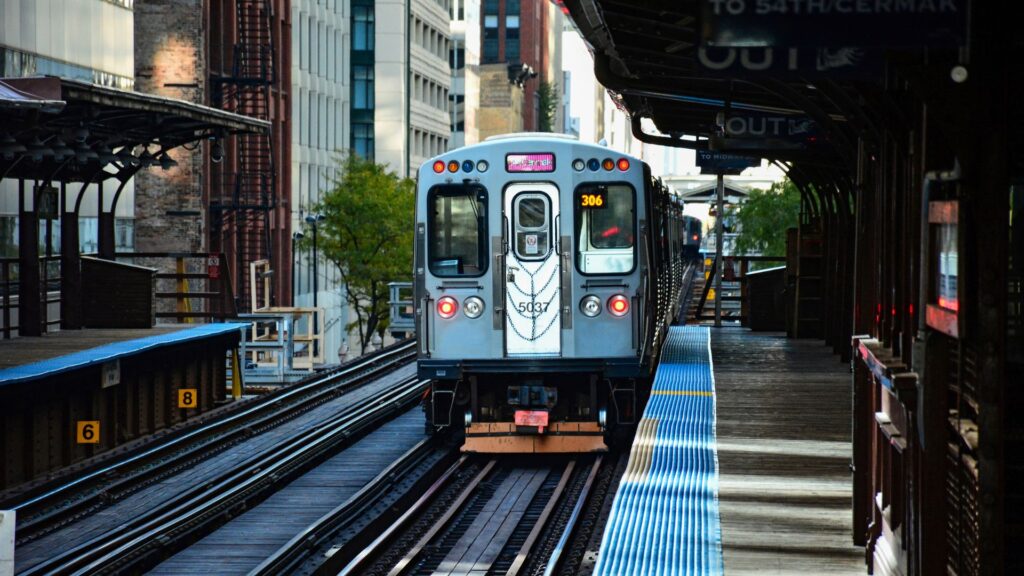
[529,287]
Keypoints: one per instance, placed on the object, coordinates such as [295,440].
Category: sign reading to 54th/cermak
[823,23]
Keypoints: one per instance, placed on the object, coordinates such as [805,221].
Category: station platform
[69,396]
[741,462]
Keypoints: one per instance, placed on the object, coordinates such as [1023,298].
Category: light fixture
[590,305]
[578,164]
[216,152]
[166,162]
[447,307]
[618,305]
[482,166]
[473,306]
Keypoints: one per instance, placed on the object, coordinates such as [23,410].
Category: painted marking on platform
[187,398]
[87,431]
[664,518]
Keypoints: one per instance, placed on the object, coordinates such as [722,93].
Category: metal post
[316,268]
[719,260]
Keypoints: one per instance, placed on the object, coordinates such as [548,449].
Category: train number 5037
[534,306]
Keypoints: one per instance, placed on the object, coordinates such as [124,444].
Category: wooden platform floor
[26,350]
[784,450]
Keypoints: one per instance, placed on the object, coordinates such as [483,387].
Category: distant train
[693,233]
[546,274]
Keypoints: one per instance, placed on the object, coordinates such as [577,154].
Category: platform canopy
[794,88]
[67,130]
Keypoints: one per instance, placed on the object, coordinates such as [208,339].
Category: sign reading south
[830,23]
[530,162]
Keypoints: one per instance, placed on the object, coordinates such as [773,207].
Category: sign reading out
[595,199]
[832,23]
[530,162]
[833,62]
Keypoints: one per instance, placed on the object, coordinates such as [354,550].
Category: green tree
[764,217]
[547,95]
[367,234]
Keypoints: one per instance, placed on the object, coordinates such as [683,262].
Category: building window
[490,38]
[362,87]
[362,27]
[512,38]
[362,140]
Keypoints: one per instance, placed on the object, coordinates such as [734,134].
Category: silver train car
[546,273]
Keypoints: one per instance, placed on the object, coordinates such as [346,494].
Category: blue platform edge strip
[664,519]
[112,351]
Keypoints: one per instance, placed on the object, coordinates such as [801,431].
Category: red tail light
[447,307]
[618,305]
[439,166]
[623,164]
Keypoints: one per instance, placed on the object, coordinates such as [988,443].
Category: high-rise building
[400,81]
[464,60]
[525,35]
[319,135]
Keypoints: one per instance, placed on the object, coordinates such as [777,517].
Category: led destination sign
[591,200]
[530,162]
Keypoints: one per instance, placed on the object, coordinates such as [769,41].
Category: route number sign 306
[592,200]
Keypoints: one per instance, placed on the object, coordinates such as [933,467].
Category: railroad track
[52,505]
[142,540]
[493,517]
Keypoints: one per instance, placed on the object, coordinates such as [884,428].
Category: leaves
[367,234]
[764,217]
[547,94]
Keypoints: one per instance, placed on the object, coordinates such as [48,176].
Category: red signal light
[438,166]
[447,307]
[623,164]
[618,305]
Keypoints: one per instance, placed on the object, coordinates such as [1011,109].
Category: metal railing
[734,280]
[197,285]
[10,298]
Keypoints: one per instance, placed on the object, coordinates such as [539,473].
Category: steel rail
[441,522]
[131,542]
[266,409]
[288,557]
[570,526]
[538,527]
[421,504]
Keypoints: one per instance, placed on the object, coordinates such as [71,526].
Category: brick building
[518,32]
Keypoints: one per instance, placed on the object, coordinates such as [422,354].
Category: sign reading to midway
[713,162]
[833,23]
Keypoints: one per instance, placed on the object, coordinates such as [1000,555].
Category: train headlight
[473,306]
[578,164]
[590,305]
[618,305]
[447,307]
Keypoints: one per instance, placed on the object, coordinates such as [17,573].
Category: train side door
[532,270]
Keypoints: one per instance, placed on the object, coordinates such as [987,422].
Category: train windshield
[457,230]
[605,217]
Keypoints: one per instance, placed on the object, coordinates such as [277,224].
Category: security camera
[216,152]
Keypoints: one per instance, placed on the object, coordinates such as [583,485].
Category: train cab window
[605,228]
[531,214]
[457,230]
